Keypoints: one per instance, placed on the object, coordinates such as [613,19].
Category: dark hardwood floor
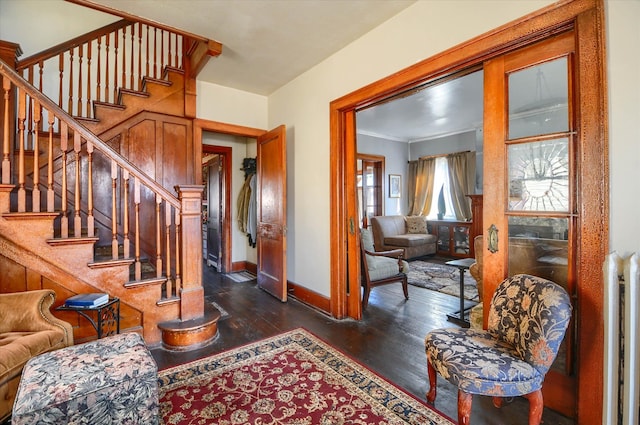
[389,339]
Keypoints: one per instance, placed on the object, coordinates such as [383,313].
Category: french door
[531,213]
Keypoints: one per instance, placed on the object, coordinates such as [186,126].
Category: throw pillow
[416,224]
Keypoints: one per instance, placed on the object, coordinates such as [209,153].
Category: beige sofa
[27,329]
[392,232]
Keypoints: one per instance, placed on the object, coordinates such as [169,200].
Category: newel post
[192,292]
[9,53]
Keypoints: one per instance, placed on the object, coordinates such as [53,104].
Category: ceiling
[267,43]
[437,110]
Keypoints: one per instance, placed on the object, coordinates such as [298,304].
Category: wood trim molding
[200,125]
[308,297]
[587,18]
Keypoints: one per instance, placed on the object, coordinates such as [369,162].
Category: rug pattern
[441,278]
[293,378]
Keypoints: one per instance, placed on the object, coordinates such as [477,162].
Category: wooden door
[271,198]
[214,221]
[531,189]
[370,186]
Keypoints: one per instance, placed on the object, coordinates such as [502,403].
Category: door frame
[200,125]
[587,18]
[224,152]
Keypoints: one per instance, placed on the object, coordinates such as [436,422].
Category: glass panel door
[530,179]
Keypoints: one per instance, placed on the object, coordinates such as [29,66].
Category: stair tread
[109,105]
[30,215]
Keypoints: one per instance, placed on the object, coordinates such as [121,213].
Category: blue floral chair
[528,317]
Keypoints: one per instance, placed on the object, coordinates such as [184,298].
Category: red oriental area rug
[294,379]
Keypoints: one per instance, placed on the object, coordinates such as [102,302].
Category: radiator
[622,353]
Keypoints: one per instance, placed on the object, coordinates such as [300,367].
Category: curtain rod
[439,155]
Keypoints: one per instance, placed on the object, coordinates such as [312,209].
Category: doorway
[585,20]
[216,177]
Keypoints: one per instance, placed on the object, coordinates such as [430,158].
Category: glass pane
[461,240]
[538,99]
[539,176]
[443,238]
[539,247]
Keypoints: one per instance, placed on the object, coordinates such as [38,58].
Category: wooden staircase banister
[20,82]
[70,44]
[133,18]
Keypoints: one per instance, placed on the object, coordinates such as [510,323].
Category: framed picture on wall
[395,185]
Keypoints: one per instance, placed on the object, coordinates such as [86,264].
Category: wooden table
[458,317]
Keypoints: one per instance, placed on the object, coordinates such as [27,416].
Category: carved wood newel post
[192,292]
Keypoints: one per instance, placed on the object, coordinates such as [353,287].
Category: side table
[458,317]
[104,318]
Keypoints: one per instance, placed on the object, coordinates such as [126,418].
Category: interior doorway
[216,177]
[586,20]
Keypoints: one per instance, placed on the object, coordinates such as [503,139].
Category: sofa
[27,329]
[403,232]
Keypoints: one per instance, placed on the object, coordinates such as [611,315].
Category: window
[441,182]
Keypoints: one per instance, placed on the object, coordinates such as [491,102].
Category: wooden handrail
[133,18]
[70,44]
[17,80]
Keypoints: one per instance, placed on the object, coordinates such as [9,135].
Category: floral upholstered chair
[528,317]
[380,268]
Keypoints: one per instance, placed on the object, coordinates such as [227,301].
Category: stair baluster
[35,193]
[158,238]
[125,220]
[90,216]
[22,110]
[64,203]
[50,188]
[6,162]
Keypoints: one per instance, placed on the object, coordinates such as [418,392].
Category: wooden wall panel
[12,276]
[175,139]
[141,147]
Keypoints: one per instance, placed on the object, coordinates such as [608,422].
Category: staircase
[82,207]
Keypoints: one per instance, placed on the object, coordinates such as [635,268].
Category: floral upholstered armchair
[528,317]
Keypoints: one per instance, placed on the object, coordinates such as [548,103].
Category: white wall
[224,104]
[417,33]
[39,24]
[623,39]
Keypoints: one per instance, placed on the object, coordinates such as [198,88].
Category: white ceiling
[439,110]
[267,43]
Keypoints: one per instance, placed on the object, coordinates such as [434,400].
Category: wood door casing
[587,18]
[271,197]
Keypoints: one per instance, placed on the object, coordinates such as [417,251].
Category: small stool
[112,380]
